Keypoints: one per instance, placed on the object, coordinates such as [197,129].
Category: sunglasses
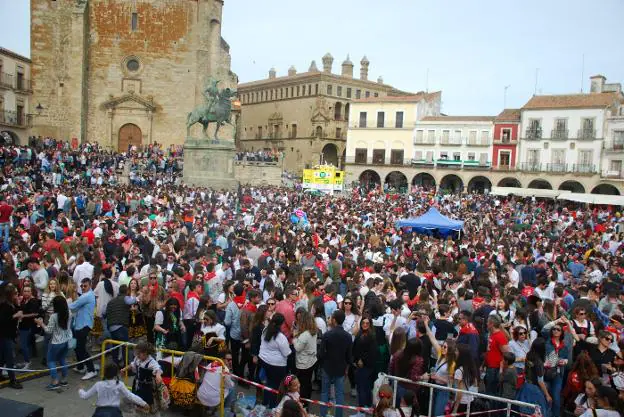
[271,304]
[348,302]
[522,333]
[153,277]
[581,313]
[556,329]
[608,339]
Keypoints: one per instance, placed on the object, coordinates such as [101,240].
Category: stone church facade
[124,73]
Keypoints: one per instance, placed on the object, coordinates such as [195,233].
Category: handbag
[551,368]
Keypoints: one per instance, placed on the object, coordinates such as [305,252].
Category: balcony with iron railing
[478,142]
[13,118]
[413,162]
[533,133]
[586,134]
[530,166]
[424,141]
[559,134]
[584,168]
[505,141]
[503,167]
[6,80]
[556,167]
[447,140]
[23,84]
[613,145]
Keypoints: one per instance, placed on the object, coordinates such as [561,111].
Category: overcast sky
[470,49]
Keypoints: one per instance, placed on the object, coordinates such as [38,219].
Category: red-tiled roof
[574,101]
[509,115]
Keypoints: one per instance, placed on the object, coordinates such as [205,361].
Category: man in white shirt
[514,276]
[84,270]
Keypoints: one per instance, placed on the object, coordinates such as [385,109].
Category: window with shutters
[330,89]
[446,137]
[398,120]
[339,91]
[380,119]
[418,155]
[419,138]
[348,92]
[431,136]
[585,157]
[362,119]
[456,156]
[358,94]
[471,156]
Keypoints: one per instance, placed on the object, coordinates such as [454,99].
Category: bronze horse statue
[217,109]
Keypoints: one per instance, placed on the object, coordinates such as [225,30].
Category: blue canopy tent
[431,221]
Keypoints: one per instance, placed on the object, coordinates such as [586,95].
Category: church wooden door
[129,135]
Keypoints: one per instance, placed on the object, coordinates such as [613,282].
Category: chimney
[380,80]
[328,60]
[364,63]
[597,83]
[313,67]
[272,73]
[292,71]
[347,68]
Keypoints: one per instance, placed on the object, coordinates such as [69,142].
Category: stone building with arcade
[124,73]
[305,115]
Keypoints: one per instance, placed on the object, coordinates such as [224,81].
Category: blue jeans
[121,335]
[24,337]
[326,383]
[57,355]
[554,388]
[7,355]
[440,401]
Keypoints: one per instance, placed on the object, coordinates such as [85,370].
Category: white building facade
[568,135]
[15,93]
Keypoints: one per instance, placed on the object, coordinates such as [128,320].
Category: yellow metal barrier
[173,354]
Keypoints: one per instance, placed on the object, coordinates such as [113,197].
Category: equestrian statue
[216,109]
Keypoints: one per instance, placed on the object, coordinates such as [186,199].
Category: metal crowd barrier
[433,387]
[173,354]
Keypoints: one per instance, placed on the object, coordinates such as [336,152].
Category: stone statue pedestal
[209,163]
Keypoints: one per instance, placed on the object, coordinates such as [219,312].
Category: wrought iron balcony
[478,142]
[6,80]
[613,174]
[586,134]
[584,168]
[533,133]
[614,145]
[503,167]
[22,84]
[557,167]
[450,141]
[530,166]
[12,118]
[424,141]
[559,134]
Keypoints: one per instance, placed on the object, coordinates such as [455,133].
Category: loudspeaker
[19,409]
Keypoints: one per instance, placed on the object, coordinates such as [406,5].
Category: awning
[528,192]
[614,200]
[432,219]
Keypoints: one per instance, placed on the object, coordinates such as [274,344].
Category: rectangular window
[585,159]
[360,155]
[330,89]
[348,92]
[618,138]
[506,135]
[558,160]
[20,115]
[446,137]
[483,159]
[533,159]
[376,94]
[444,155]
[534,130]
[471,156]
[20,80]
[362,119]
[396,156]
[398,120]
[259,135]
[505,159]
[358,93]
[587,131]
[472,137]
[339,91]
[293,131]
[367,95]
[316,89]
[616,165]
[419,136]
[456,156]
[292,91]
[380,119]
[561,129]
[379,156]
[135,21]
[485,137]
[431,136]
[309,90]
[298,90]
[338,133]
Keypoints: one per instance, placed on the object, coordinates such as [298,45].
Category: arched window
[319,132]
[338,111]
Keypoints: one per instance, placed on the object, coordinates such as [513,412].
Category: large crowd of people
[526,303]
